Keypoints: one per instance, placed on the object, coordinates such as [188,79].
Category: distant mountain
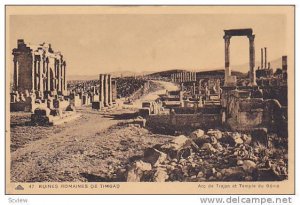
[237,70]
[244,68]
[114,74]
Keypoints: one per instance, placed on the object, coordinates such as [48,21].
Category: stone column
[44,75]
[48,75]
[261,58]
[62,77]
[106,90]
[194,88]
[38,74]
[284,64]
[34,74]
[59,76]
[65,77]
[101,89]
[252,60]
[55,75]
[41,87]
[109,90]
[15,86]
[265,57]
[227,58]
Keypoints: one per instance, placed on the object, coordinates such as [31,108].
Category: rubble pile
[210,156]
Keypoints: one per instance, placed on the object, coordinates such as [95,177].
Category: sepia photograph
[150,99]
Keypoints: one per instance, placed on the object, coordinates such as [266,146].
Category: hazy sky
[92,44]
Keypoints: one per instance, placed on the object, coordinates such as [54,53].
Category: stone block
[96,105]
[42,111]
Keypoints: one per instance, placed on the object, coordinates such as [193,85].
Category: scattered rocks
[154,157]
[137,170]
[208,147]
[236,137]
[260,135]
[197,134]
[160,175]
[249,166]
[215,133]
[180,147]
[227,156]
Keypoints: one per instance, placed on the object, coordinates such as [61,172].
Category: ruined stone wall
[38,68]
[184,122]
[24,63]
[244,113]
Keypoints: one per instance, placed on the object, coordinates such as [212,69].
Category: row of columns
[183,77]
[263,60]
[105,90]
[46,78]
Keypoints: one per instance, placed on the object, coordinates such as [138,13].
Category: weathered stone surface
[249,166]
[233,174]
[237,138]
[160,175]
[42,111]
[260,135]
[215,133]
[70,108]
[180,147]
[208,147]
[137,170]
[213,140]
[239,162]
[154,156]
[197,134]
[247,139]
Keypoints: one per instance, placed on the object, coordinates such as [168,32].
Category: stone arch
[229,79]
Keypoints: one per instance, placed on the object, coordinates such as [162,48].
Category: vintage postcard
[150,99]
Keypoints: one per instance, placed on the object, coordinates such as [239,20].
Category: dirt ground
[90,148]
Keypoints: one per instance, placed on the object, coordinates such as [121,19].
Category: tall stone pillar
[61,76]
[48,75]
[265,57]
[16,64]
[109,90]
[252,60]
[227,58]
[106,104]
[40,71]
[194,88]
[261,58]
[55,75]
[44,75]
[284,64]
[101,89]
[58,76]
[65,77]
[35,87]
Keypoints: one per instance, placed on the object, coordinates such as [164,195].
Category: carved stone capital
[251,37]
[227,37]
